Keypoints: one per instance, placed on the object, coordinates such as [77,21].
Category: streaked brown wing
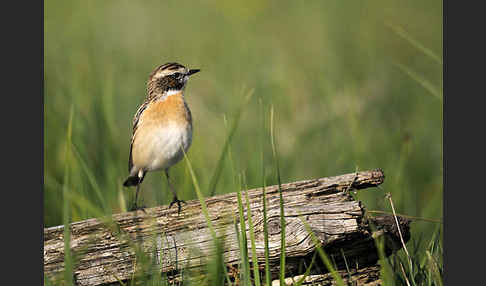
[135,126]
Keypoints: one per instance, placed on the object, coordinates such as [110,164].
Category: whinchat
[162,126]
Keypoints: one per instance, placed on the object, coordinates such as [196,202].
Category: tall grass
[68,266]
[350,83]
[264,196]
[280,196]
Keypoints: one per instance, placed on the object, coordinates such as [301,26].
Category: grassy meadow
[353,85]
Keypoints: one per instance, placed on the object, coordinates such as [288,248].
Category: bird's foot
[176,200]
[136,207]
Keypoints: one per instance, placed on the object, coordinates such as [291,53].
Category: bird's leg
[175,199]
[136,195]
[135,206]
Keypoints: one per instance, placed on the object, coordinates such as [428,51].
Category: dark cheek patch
[170,82]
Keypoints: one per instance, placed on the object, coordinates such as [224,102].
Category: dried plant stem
[388,196]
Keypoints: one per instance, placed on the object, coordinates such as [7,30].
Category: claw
[135,207]
[176,200]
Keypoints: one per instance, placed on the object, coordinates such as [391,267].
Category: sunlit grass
[68,266]
[282,213]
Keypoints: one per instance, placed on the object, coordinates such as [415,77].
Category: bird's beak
[191,72]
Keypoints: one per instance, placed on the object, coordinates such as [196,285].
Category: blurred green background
[353,85]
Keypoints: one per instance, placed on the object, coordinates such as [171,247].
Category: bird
[161,127]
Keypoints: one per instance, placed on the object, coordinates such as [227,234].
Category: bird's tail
[133,180]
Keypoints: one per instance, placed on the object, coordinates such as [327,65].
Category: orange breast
[171,109]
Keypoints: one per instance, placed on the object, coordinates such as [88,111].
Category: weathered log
[105,248]
[366,276]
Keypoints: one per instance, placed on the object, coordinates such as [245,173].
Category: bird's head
[170,77]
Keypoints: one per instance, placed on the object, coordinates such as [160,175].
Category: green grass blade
[84,203]
[434,269]
[200,196]
[222,265]
[119,281]
[427,85]
[307,271]
[68,261]
[386,273]
[47,282]
[322,254]
[256,269]
[90,175]
[204,208]
[243,246]
[282,214]
[219,166]
[234,186]
[264,198]
[215,275]
[240,246]
[282,237]
[346,264]
[265,237]
[402,33]
[230,159]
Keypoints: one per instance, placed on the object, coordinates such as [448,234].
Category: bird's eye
[178,75]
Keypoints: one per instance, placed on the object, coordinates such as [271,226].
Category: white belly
[167,144]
